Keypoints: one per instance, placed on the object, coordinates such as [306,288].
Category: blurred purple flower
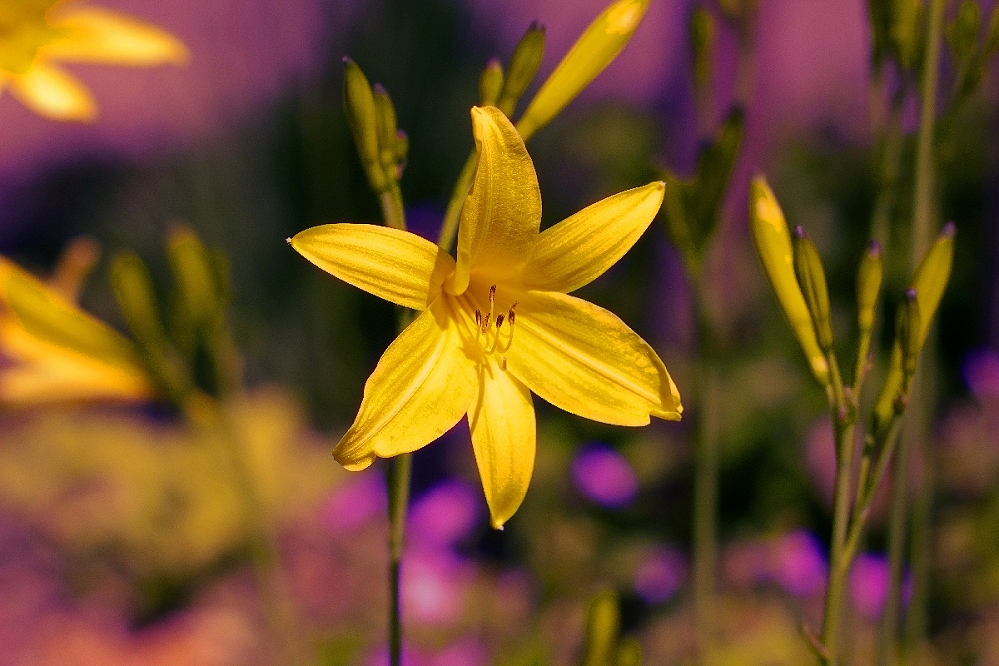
[799,564]
[981,372]
[465,652]
[444,515]
[358,501]
[434,585]
[605,476]
[869,582]
[660,574]
[410,657]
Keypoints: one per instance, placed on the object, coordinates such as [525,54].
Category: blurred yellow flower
[497,323]
[36,33]
[35,369]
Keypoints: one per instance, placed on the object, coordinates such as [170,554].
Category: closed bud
[992,38]
[362,118]
[491,83]
[524,64]
[702,46]
[906,31]
[773,244]
[133,289]
[592,52]
[386,123]
[195,275]
[962,33]
[869,275]
[401,150]
[928,285]
[714,169]
[603,625]
[907,327]
[812,280]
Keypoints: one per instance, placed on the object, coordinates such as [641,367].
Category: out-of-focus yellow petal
[423,385]
[396,265]
[595,49]
[90,34]
[53,93]
[583,359]
[580,248]
[501,420]
[773,244]
[502,213]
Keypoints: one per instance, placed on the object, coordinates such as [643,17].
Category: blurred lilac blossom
[981,372]
[660,574]
[869,582]
[799,563]
[444,515]
[434,584]
[360,500]
[604,476]
[465,652]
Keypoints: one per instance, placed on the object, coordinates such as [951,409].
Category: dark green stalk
[705,482]
[399,472]
[921,223]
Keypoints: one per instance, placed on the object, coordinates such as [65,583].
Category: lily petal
[99,35]
[53,93]
[422,386]
[583,359]
[396,265]
[502,213]
[503,429]
[580,248]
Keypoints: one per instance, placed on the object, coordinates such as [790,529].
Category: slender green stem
[705,484]
[392,210]
[399,472]
[449,229]
[921,222]
[839,563]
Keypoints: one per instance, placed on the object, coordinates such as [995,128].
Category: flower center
[490,332]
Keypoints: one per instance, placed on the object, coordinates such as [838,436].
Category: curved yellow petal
[593,51]
[502,213]
[580,248]
[501,420]
[90,34]
[396,265]
[773,244]
[583,359]
[422,386]
[53,93]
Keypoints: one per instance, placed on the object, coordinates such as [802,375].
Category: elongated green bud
[401,148]
[773,244]
[362,117]
[491,83]
[869,276]
[702,46]
[195,275]
[592,52]
[992,38]
[907,334]
[133,289]
[603,625]
[524,64]
[929,283]
[906,31]
[812,280]
[962,33]
[387,128]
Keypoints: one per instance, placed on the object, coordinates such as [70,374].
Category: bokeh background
[118,543]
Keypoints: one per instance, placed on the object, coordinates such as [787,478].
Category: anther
[499,320]
[512,314]
[485,322]
[478,318]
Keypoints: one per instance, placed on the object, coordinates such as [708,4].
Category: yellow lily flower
[35,370]
[497,323]
[34,33]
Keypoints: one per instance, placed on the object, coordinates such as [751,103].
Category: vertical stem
[392,210]
[912,431]
[839,558]
[399,472]
[705,484]
[449,229]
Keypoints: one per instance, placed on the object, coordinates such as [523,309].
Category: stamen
[499,321]
[478,318]
[512,314]
[485,322]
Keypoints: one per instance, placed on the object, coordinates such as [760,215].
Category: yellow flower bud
[595,49]
[773,244]
[359,106]
[869,275]
[812,281]
[491,83]
[524,64]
